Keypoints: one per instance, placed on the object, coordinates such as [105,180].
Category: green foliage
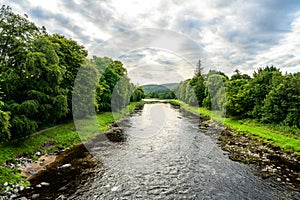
[159,91]
[282,104]
[197,83]
[239,101]
[4,124]
[114,84]
[16,35]
[30,75]
[84,96]
[269,96]
[138,94]
[71,57]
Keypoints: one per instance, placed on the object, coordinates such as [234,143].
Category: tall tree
[16,36]
[71,57]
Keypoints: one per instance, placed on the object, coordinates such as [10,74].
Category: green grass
[288,141]
[63,136]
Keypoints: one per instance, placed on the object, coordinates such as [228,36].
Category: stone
[7,194]
[22,198]
[35,196]
[278,179]
[32,171]
[61,197]
[5,184]
[38,153]
[4,198]
[21,188]
[65,166]
[45,184]
[15,190]
[38,186]
[62,188]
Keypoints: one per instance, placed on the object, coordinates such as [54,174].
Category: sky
[160,41]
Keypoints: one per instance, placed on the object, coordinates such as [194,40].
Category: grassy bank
[63,136]
[288,140]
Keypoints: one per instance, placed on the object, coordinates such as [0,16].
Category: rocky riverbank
[64,162]
[271,160]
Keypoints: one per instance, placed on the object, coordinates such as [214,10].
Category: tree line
[37,76]
[269,96]
[159,91]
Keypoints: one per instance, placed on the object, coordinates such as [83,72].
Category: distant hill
[167,85]
[159,91]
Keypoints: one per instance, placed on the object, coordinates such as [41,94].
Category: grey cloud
[246,30]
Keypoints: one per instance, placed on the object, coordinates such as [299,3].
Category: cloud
[231,34]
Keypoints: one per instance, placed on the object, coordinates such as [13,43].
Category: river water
[166,156]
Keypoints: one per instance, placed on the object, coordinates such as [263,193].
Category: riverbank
[16,155]
[276,152]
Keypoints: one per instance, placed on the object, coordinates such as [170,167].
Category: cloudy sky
[161,40]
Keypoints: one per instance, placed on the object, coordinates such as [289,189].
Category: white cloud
[234,33]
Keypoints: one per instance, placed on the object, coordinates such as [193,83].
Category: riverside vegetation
[37,76]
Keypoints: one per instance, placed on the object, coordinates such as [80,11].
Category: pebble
[278,179]
[287,179]
[22,198]
[33,172]
[45,184]
[38,153]
[61,197]
[21,188]
[35,196]
[65,166]
[5,184]
[38,186]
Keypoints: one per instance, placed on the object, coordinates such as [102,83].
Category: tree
[16,36]
[282,103]
[4,124]
[214,91]
[239,102]
[197,82]
[261,84]
[37,98]
[238,75]
[71,57]
[84,94]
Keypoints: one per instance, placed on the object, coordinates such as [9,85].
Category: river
[165,156]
